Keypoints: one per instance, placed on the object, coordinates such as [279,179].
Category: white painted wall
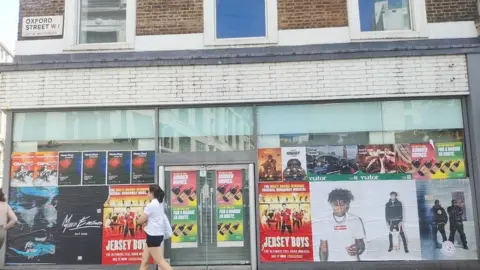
[266,82]
[297,37]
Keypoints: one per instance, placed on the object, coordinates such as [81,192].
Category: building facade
[287,133]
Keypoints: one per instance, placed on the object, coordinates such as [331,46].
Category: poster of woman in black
[94,168]
[118,168]
[80,226]
[69,168]
[143,167]
[32,240]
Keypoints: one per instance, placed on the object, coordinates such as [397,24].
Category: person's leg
[145,258]
[434,234]
[289,228]
[390,237]
[462,235]
[283,228]
[404,238]
[442,232]
[157,254]
[451,237]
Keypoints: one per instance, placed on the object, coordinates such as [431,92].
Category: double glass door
[209,209]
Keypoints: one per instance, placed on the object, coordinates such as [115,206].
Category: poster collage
[78,207]
[365,203]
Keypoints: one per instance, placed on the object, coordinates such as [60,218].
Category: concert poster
[119,167]
[143,167]
[22,169]
[94,168]
[46,169]
[69,168]
[270,164]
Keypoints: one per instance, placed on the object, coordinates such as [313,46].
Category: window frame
[72,28]
[210,29]
[418,19]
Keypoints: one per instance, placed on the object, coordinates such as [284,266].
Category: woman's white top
[155,223]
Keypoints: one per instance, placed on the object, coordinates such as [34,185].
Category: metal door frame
[251,206]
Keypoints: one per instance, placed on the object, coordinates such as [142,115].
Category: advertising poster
[94,168]
[332,162]
[446,214]
[365,221]
[119,167]
[69,168]
[424,161]
[123,240]
[270,162]
[285,223]
[33,240]
[403,158]
[22,168]
[229,208]
[46,169]
[294,164]
[80,224]
[451,161]
[184,209]
[378,162]
[143,167]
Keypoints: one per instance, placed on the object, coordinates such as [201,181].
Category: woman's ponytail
[157,192]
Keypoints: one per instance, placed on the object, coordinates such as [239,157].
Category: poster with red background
[123,239]
[285,222]
[46,169]
[424,158]
[22,168]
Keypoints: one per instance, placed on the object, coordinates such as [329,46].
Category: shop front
[248,187]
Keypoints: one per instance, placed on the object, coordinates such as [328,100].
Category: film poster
[270,164]
[294,164]
[80,224]
[94,168]
[119,167]
[46,169]
[123,239]
[69,168]
[424,161]
[451,163]
[332,162]
[184,209]
[22,168]
[285,223]
[143,167]
[229,208]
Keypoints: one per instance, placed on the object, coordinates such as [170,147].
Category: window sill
[100,47]
[240,41]
[362,36]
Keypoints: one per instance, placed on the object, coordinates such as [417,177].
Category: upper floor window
[376,19]
[100,24]
[231,22]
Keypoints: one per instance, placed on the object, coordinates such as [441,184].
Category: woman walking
[6,214]
[154,216]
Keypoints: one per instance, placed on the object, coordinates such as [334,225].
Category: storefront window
[364,181]
[206,129]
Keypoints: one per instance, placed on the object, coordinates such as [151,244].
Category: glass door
[209,211]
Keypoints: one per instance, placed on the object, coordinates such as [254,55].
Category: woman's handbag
[168,228]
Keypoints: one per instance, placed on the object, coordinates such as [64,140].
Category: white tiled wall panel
[268,82]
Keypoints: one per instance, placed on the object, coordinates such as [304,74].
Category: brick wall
[31,8]
[451,10]
[301,14]
[163,17]
[272,82]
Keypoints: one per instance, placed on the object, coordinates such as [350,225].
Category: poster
[294,164]
[447,229]
[69,168]
[365,221]
[94,168]
[80,224]
[32,239]
[378,162]
[119,167]
[143,167]
[451,162]
[123,240]
[270,164]
[332,162]
[46,169]
[22,168]
[184,209]
[424,161]
[230,208]
[285,223]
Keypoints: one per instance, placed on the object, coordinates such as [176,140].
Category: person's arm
[400,205]
[386,213]
[12,218]
[144,217]
[323,250]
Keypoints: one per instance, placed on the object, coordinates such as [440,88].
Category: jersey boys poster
[119,167]
[285,224]
[94,168]
[123,238]
[80,224]
[143,167]
[69,168]
[229,208]
[184,209]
